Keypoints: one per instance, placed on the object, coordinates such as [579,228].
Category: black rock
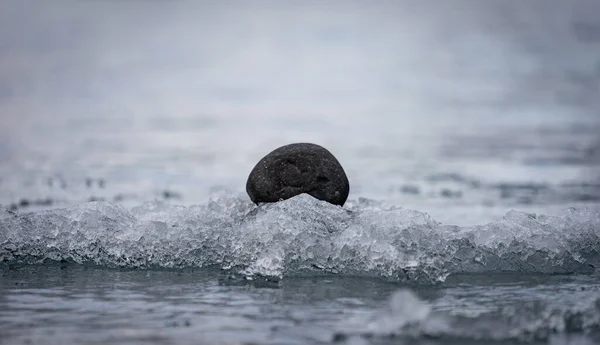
[295,169]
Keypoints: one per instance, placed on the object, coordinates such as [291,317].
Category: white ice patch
[404,310]
[299,236]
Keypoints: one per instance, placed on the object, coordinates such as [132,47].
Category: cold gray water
[469,131]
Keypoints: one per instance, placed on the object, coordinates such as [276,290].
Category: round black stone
[295,169]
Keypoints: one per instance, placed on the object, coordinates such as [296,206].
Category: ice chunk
[409,317]
[300,235]
[404,309]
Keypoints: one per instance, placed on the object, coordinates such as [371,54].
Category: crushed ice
[301,235]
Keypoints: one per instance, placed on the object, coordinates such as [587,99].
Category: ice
[405,309]
[406,316]
[300,236]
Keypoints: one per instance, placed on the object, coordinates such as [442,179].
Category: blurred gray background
[464,109]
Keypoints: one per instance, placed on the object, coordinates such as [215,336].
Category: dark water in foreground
[468,129]
[76,305]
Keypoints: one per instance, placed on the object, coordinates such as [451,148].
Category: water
[468,130]
[86,305]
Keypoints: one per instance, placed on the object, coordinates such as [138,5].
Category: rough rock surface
[295,169]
